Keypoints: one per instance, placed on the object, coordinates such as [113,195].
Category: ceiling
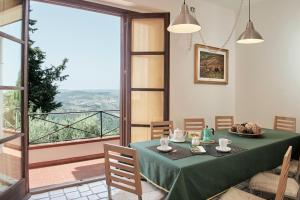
[232,4]
[133,5]
[151,6]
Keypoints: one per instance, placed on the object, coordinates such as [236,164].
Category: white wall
[197,100]
[201,100]
[268,74]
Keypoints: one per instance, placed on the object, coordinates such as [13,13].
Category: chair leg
[251,191]
[140,197]
[297,177]
[109,192]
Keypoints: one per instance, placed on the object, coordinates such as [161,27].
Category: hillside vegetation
[46,128]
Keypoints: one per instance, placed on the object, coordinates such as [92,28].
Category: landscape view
[72,96]
[77,105]
[211,65]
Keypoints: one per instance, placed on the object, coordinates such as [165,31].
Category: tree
[43,81]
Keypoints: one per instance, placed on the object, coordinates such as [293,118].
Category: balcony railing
[66,126]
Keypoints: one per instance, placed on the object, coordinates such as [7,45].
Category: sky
[90,40]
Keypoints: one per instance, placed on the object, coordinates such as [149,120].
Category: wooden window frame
[126,140]
[21,188]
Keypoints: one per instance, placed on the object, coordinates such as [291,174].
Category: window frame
[21,188]
[166,53]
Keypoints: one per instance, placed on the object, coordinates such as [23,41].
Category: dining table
[197,177]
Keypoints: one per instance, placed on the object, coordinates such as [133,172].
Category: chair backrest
[122,168]
[284,175]
[223,122]
[194,124]
[160,128]
[285,124]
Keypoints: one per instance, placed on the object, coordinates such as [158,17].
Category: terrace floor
[94,191]
[91,191]
[59,174]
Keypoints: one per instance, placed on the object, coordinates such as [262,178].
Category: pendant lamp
[250,35]
[184,22]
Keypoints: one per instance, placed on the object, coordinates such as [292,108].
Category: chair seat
[149,193]
[236,194]
[268,182]
[293,170]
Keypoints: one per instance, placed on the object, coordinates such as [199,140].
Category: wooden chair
[160,128]
[223,122]
[122,172]
[281,185]
[194,124]
[285,124]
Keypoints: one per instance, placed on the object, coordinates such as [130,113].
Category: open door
[13,99]
[147,74]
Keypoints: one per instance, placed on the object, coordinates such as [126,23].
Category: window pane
[10,113]
[148,34]
[10,63]
[146,107]
[11,17]
[139,134]
[10,159]
[147,71]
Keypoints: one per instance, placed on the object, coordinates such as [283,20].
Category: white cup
[164,142]
[178,134]
[223,142]
[195,141]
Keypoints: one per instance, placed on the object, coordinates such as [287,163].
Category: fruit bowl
[248,129]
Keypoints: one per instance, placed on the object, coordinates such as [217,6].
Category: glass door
[13,99]
[147,73]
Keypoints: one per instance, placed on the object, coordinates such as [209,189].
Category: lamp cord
[249,11]
[229,37]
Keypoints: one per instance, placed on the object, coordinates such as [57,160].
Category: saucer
[177,140]
[227,149]
[164,149]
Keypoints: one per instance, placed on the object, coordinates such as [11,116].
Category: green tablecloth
[202,176]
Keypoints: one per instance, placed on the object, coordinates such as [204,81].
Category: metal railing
[61,124]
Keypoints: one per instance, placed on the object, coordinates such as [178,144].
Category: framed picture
[211,65]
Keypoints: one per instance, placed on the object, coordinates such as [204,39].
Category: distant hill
[87,125]
[87,100]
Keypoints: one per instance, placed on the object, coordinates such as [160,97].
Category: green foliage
[211,74]
[89,128]
[42,81]
[12,114]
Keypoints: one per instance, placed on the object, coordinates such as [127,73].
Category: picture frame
[211,65]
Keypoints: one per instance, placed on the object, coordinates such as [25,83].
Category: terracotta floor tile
[59,174]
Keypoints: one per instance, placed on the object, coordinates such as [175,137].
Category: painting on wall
[211,65]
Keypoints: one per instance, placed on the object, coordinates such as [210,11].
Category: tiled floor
[98,191]
[65,173]
[91,191]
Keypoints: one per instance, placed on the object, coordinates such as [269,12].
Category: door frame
[166,53]
[103,9]
[21,188]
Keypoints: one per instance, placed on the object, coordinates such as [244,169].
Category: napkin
[200,149]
